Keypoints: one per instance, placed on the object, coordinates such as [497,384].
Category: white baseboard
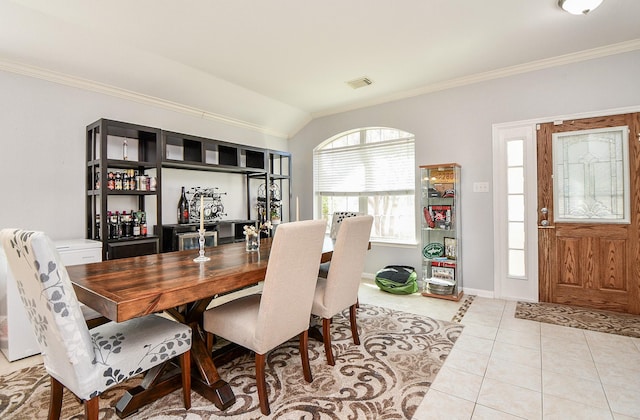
[516,298]
[478,292]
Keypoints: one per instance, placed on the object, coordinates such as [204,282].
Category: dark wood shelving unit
[157,149]
[104,140]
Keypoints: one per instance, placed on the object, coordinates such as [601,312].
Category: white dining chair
[261,322]
[86,362]
[339,290]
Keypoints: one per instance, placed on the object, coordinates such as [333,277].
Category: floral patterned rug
[385,377]
[576,317]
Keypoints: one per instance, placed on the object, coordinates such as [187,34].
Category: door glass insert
[591,176]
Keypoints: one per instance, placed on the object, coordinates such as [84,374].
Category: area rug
[385,377]
[584,318]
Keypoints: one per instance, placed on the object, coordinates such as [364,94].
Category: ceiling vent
[360,82]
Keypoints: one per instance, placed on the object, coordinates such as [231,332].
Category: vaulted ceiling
[275,65]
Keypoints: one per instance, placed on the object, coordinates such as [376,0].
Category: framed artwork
[450,248]
[446,273]
[440,216]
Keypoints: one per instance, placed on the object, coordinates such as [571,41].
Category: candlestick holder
[201,257]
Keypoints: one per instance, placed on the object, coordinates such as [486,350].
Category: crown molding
[590,54]
[89,85]
[93,86]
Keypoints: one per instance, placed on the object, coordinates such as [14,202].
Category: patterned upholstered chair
[262,322]
[340,289]
[336,221]
[86,362]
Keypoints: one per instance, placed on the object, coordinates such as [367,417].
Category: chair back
[51,305]
[347,263]
[337,219]
[290,281]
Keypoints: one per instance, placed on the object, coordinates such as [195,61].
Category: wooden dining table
[173,283]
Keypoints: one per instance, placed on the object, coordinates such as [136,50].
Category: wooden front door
[589,263]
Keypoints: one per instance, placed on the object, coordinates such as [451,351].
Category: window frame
[357,139]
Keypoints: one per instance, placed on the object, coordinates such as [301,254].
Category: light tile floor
[507,368]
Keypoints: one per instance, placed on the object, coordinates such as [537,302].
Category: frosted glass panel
[591,176]
[515,153]
[515,182]
[516,235]
[516,208]
[516,263]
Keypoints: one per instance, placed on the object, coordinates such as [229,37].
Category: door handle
[544,220]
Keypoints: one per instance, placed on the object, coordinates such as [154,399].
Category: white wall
[456,126]
[42,144]
[42,152]
[234,185]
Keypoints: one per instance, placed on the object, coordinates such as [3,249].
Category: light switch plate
[480,187]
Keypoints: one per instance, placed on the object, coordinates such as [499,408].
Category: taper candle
[201,212]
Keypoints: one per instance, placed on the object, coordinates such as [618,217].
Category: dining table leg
[159,381]
[208,382]
[166,378]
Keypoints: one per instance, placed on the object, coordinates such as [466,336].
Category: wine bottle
[96,234]
[119,225]
[143,224]
[136,223]
[183,208]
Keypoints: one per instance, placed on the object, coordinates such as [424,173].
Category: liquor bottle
[111,181]
[118,181]
[127,225]
[136,223]
[118,225]
[96,234]
[113,226]
[143,224]
[133,180]
[125,181]
[183,208]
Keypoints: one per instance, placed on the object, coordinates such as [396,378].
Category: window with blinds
[371,171]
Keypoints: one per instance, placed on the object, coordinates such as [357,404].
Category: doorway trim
[525,287]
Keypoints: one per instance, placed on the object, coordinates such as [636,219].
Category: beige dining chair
[339,290]
[261,322]
[86,362]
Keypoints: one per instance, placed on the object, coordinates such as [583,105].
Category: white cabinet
[16,338]
[79,251]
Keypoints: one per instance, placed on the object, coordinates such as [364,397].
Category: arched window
[372,171]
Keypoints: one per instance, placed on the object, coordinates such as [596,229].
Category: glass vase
[252,243]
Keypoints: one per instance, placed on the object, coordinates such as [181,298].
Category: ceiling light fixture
[579,7]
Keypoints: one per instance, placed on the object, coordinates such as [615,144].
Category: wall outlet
[480,187]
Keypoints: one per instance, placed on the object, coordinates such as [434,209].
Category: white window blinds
[366,169]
